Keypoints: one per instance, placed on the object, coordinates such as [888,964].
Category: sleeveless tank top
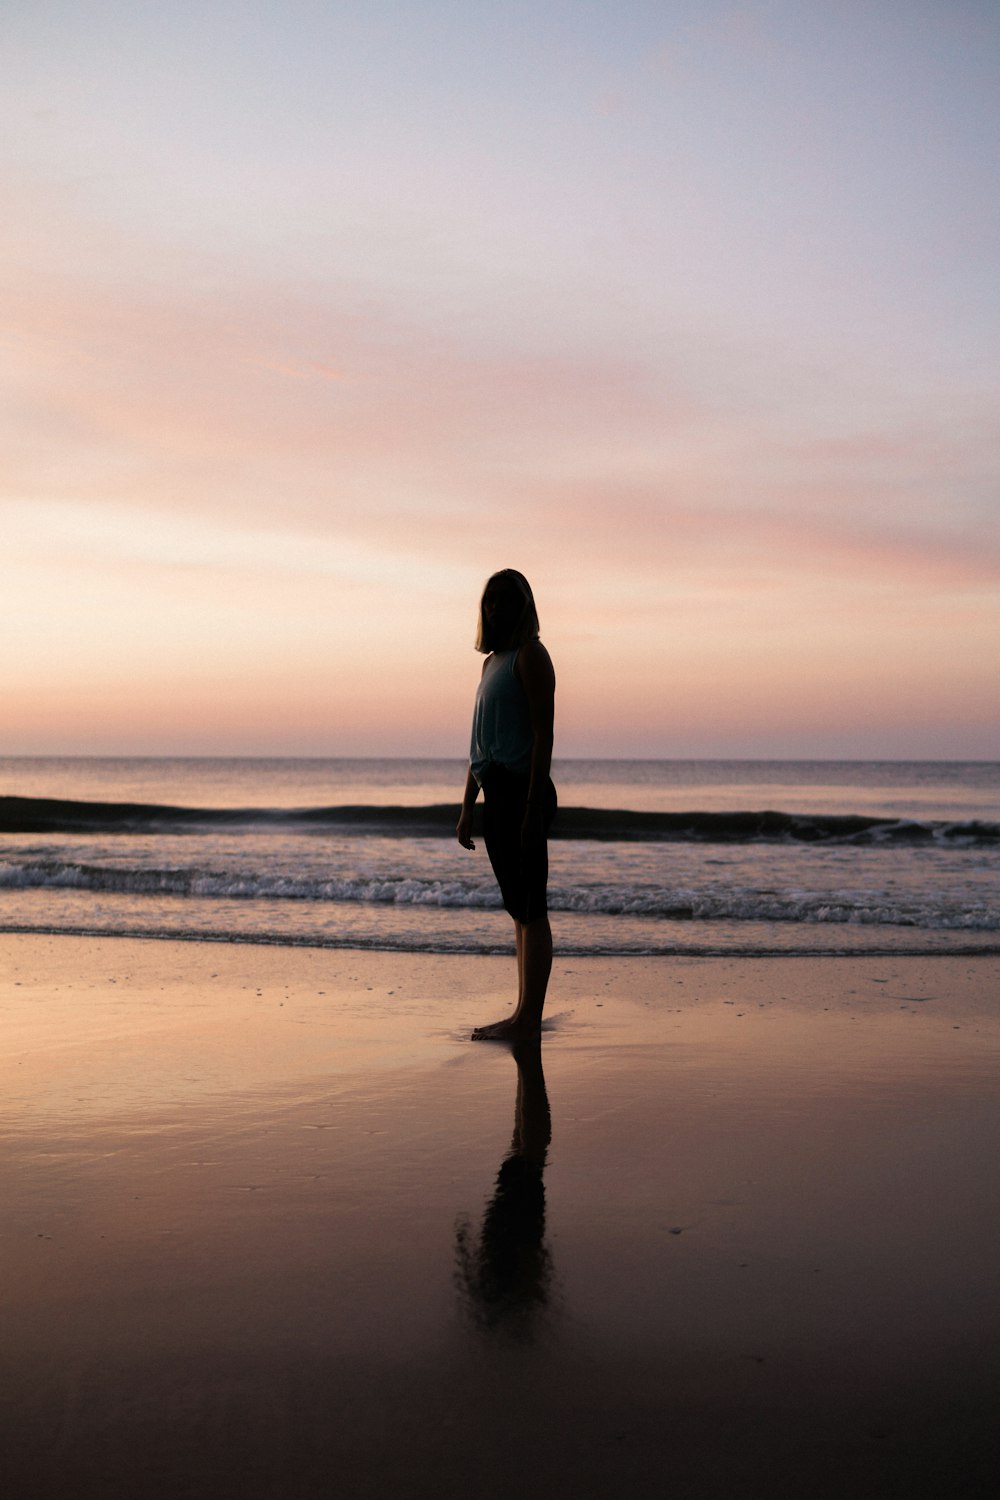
[501,725]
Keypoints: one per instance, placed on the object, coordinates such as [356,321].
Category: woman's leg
[521,872]
[534,965]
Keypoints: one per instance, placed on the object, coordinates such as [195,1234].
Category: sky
[316,314]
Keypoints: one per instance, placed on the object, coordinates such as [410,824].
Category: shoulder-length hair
[526,628]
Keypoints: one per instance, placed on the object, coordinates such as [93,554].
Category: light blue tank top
[501,724]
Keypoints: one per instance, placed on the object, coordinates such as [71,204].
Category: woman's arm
[464,829]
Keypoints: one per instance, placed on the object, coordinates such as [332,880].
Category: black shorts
[522,873]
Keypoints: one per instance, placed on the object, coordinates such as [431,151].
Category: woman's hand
[464,830]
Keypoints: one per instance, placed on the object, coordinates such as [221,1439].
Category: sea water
[647,857]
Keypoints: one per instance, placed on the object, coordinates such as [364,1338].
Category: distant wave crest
[27,815]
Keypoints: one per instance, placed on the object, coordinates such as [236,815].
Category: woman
[510,760]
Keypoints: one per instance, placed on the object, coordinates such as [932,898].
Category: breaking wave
[658,903]
[36,815]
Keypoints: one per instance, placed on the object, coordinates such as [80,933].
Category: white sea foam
[652,903]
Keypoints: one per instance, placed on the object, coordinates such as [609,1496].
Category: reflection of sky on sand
[148,1027]
[825,1191]
[766,1193]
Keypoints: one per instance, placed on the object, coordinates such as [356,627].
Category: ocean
[647,857]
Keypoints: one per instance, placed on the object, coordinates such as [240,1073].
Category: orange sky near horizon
[300,348]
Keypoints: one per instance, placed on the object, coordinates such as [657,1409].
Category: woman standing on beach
[510,759]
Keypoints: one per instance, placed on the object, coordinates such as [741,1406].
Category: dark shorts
[522,873]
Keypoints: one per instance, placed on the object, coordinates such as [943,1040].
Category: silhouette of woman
[510,760]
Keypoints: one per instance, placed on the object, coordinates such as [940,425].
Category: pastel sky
[314,314]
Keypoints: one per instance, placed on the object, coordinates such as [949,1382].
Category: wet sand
[274,1226]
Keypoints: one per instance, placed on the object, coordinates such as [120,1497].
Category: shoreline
[505,948]
[262,1234]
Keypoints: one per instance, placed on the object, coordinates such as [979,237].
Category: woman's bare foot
[514,1029]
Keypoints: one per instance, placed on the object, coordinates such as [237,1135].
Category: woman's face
[503,605]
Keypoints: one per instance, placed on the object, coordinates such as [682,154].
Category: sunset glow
[316,314]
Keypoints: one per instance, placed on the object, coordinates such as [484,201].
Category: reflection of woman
[510,759]
[505,1277]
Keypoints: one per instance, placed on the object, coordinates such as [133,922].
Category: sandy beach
[273,1226]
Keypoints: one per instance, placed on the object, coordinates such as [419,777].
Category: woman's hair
[526,627]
